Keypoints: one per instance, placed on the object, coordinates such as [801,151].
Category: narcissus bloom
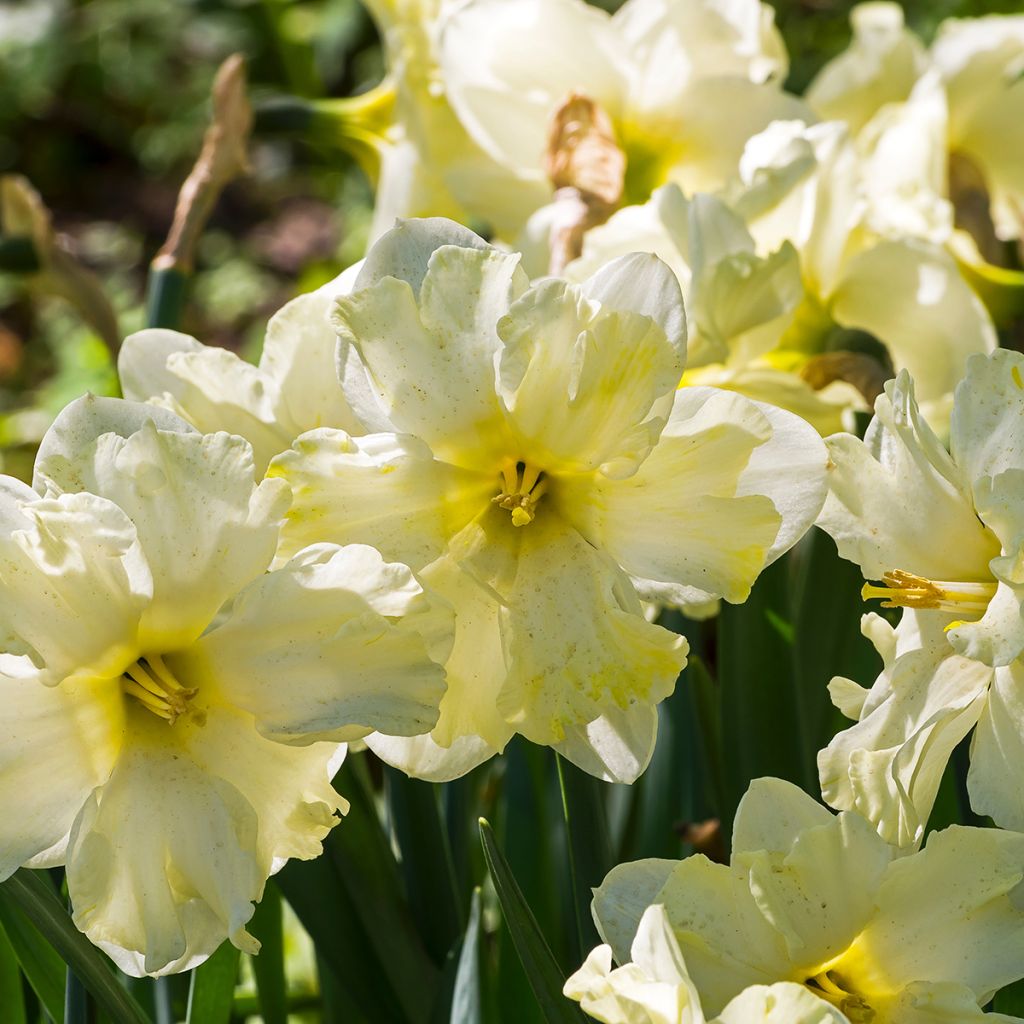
[531,457]
[173,711]
[293,389]
[823,902]
[975,64]
[942,533]
[656,988]
[875,301]
[685,84]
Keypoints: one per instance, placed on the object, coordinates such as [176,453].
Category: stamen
[523,486]
[853,1006]
[153,685]
[906,590]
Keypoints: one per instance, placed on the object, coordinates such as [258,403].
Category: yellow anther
[153,685]
[855,1007]
[907,590]
[523,486]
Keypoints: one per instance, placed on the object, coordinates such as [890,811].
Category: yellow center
[905,590]
[153,685]
[825,986]
[523,486]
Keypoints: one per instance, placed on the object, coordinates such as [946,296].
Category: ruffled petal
[888,766]
[75,586]
[621,899]
[589,385]
[701,538]
[204,525]
[386,490]
[781,1003]
[997,751]
[332,645]
[56,745]
[617,747]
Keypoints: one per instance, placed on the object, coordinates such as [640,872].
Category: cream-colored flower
[293,389]
[739,303]
[685,82]
[174,712]
[976,64]
[874,303]
[656,988]
[942,532]
[533,460]
[823,902]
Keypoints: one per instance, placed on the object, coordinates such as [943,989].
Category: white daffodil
[976,64]
[656,988]
[739,304]
[823,902]
[519,435]
[173,711]
[873,305]
[430,166]
[293,389]
[942,532]
[684,82]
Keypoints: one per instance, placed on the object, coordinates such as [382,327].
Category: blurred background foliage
[102,107]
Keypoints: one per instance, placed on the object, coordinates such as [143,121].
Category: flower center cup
[906,590]
[523,486]
[153,685]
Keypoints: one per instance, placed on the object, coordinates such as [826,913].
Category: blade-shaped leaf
[40,903]
[466,1001]
[39,961]
[12,998]
[213,987]
[268,966]
[545,976]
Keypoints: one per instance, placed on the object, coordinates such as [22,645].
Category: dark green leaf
[78,1006]
[41,964]
[268,964]
[466,1001]
[37,899]
[213,987]
[545,976]
[12,999]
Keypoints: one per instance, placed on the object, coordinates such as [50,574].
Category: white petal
[997,751]
[781,1003]
[56,745]
[507,64]
[700,538]
[386,490]
[617,747]
[898,501]
[205,527]
[888,766]
[75,586]
[621,899]
[421,758]
[772,814]
[334,640]
[589,385]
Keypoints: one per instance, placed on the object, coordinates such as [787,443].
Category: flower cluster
[446,506]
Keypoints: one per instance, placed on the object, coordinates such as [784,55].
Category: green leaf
[466,1001]
[1010,1000]
[426,861]
[268,965]
[213,987]
[330,916]
[40,963]
[589,849]
[545,976]
[78,1006]
[37,899]
[12,998]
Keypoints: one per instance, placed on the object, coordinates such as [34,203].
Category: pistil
[523,486]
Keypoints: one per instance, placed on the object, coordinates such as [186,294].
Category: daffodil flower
[976,63]
[821,901]
[939,533]
[739,303]
[874,303]
[656,988]
[174,712]
[530,456]
[684,84]
[293,389]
